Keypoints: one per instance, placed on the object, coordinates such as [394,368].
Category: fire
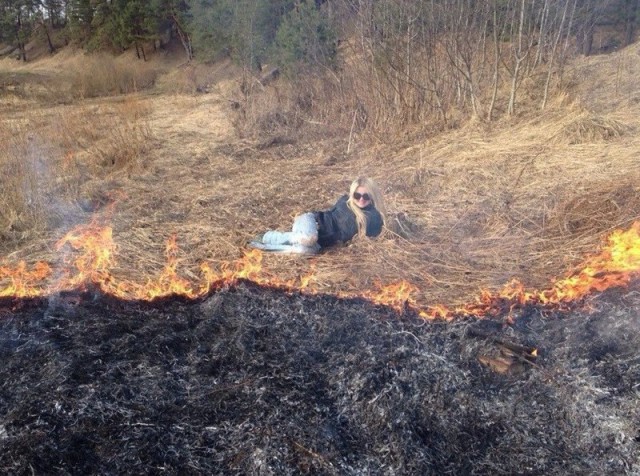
[167,283]
[23,282]
[397,295]
[91,251]
[614,266]
[95,262]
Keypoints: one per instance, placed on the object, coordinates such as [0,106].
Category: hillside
[471,207]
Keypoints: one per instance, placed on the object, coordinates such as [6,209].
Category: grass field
[470,208]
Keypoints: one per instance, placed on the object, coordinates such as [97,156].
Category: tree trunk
[22,51]
[587,41]
[52,48]
[496,42]
[586,31]
[140,50]
[553,55]
[516,69]
[542,34]
[184,36]
[632,12]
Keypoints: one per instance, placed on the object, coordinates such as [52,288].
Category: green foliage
[299,35]
[17,21]
[119,23]
[210,26]
[80,14]
[54,11]
[305,39]
[242,29]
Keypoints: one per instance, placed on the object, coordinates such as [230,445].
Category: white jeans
[304,232]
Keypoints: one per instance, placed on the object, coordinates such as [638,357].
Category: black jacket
[339,224]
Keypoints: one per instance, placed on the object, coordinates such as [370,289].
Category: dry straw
[469,209]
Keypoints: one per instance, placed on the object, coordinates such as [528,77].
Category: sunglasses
[364,196]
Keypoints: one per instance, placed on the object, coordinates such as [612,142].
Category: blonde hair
[376,197]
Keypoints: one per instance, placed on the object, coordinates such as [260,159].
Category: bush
[103,75]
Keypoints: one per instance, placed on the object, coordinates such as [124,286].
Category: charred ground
[256,381]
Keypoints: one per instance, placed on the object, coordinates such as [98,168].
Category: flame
[614,266]
[23,282]
[167,283]
[95,261]
[398,295]
[93,251]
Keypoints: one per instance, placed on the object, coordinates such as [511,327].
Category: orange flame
[94,264]
[168,283]
[614,266]
[23,282]
[397,295]
[94,251]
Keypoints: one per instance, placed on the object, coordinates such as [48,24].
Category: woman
[360,213]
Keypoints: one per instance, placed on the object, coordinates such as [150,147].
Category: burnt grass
[258,381]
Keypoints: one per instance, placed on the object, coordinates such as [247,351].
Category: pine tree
[17,20]
[305,38]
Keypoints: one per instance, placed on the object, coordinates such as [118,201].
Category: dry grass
[470,208]
[587,128]
[102,75]
[71,75]
[55,161]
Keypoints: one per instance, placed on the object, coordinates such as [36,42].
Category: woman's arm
[374,223]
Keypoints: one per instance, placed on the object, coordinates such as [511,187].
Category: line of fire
[94,251]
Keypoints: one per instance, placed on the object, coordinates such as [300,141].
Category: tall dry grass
[103,75]
[53,161]
[473,207]
[23,182]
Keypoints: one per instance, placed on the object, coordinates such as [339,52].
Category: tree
[631,20]
[80,17]
[245,30]
[54,10]
[176,13]
[305,38]
[211,24]
[135,23]
[17,20]
[556,42]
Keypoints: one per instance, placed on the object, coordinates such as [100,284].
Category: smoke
[48,188]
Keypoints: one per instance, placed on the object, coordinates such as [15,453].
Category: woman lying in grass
[359,213]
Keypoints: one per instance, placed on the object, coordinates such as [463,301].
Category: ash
[255,381]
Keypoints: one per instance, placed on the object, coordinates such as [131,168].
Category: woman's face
[361,197]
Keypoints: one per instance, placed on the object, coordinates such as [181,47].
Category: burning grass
[470,209]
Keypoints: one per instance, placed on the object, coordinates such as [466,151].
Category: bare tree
[463,43]
[553,53]
[587,16]
[519,55]
[497,34]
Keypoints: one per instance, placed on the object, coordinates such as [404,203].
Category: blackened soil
[256,381]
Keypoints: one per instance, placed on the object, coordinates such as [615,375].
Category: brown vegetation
[216,160]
